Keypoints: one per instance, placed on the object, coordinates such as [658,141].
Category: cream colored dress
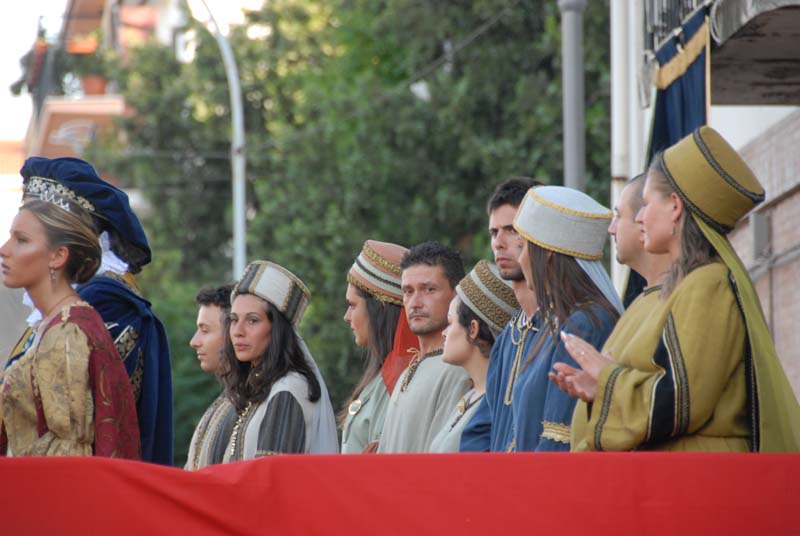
[418,411]
[449,437]
[281,424]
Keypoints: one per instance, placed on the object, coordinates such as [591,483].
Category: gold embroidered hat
[376,270]
[278,286]
[564,220]
[488,296]
[711,178]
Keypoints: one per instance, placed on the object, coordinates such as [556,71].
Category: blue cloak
[142,344]
[491,428]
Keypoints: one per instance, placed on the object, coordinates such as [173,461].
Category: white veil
[324,439]
[599,276]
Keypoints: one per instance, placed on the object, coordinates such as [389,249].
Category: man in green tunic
[429,389]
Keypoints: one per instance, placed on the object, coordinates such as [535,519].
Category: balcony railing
[661,17]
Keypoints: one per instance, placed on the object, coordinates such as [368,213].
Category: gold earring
[52,276]
[673,229]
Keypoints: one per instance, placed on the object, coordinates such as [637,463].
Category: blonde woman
[69,394]
[698,371]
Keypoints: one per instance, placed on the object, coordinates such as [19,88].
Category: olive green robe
[680,382]
[364,422]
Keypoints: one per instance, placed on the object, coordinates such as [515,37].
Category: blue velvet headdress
[71,181]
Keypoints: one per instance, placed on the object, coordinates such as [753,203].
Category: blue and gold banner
[683,83]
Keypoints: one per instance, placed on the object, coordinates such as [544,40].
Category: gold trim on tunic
[555,431]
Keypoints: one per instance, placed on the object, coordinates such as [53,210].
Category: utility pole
[572,90]
[237,147]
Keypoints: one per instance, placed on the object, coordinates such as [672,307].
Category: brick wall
[775,159]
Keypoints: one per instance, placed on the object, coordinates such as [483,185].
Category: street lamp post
[572,89]
[237,147]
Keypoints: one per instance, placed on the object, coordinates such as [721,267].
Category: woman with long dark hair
[281,399]
[378,321]
[68,395]
[564,232]
[697,370]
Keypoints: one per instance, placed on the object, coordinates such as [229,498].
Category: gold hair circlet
[53,192]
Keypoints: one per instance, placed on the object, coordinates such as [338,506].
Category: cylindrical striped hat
[278,286]
[376,270]
[564,220]
[488,296]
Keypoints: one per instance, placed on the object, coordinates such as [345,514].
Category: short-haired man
[213,432]
[491,428]
[628,234]
[429,389]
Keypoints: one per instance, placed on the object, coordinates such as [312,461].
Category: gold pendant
[354,407]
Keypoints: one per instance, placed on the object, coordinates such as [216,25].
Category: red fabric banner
[599,493]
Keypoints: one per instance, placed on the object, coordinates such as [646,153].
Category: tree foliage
[340,149]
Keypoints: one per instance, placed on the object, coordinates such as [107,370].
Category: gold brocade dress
[69,395]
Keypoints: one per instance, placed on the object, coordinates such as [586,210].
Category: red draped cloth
[461,494]
[405,346]
[116,427]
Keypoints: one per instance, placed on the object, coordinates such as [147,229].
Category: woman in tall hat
[378,321]
[564,231]
[69,394]
[699,372]
[282,401]
[483,305]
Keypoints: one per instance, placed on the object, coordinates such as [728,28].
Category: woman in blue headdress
[138,334]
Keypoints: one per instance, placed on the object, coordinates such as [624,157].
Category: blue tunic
[142,343]
[492,426]
[476,436]
[542,413]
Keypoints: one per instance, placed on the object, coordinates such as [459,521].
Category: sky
[17,34]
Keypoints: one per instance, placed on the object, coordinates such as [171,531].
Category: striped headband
[488,296]
[376,271]
[278,286]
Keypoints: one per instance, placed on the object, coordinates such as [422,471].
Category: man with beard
[429,389]
[491,427]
